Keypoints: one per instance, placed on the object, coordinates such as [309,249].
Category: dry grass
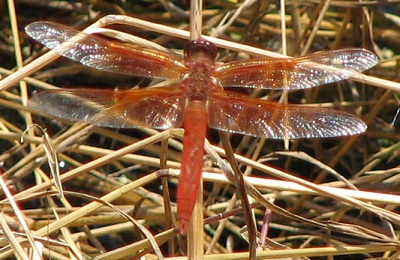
[333,198]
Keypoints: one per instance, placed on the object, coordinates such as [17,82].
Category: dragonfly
[194,95]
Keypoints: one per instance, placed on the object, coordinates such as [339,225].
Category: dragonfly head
[200,50]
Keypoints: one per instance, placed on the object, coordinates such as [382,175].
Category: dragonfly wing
[159,108]
[296,73]
[249,116]
[105,55]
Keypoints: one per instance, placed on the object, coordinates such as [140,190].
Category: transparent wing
[105,55]
[295,73]
[249,116]
[159,108]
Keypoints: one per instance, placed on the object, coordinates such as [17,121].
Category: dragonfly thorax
[199,82]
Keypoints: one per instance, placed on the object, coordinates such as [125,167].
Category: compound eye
[200,46]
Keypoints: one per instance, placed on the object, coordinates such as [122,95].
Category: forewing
[105,55]
[295,73]
[249,116]
[159,108]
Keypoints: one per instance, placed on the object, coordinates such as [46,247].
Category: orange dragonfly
[195,98]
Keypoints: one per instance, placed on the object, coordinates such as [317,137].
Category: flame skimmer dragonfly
[196,99]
